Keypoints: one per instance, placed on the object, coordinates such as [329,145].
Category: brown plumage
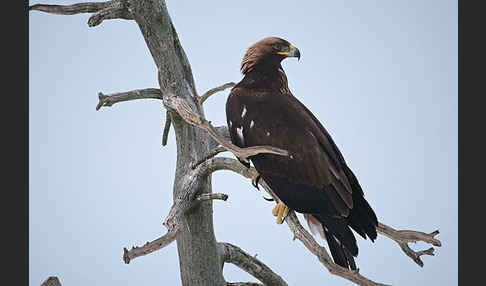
[314,179]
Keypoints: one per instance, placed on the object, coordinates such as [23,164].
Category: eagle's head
[268,53]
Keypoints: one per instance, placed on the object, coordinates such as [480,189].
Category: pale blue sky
[380,75]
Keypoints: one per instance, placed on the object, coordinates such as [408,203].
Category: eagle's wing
[311,179]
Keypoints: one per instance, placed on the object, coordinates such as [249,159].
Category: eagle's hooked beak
[293,52]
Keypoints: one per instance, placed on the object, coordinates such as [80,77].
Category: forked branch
[235,255]
[403,237]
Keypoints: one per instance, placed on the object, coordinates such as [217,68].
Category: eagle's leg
[254,180]
[281,211]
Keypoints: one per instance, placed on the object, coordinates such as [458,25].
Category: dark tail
[340,239]
[362,218]
[339,236]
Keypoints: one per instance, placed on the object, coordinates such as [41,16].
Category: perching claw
[255,179]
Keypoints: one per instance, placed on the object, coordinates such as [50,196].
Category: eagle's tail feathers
[340,254]
[339,228]
[362,218]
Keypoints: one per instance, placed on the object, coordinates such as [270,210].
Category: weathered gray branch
[89,7]
[212,91]
[403,237]
[149,247]
[116,9]
[235,255]
[110,99]
[407,236]
[212,196]
[168,122]
[210,155]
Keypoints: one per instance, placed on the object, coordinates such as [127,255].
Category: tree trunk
[196,244]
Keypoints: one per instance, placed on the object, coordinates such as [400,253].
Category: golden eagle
[314,178]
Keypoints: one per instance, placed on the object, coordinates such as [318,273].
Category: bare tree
[190,220]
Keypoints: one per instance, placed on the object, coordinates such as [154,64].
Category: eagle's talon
[254,180]
[280,211]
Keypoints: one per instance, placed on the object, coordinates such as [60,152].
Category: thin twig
[149,247]
[168,122]
[110,99]
[415,255]
[210,155]
[212,91]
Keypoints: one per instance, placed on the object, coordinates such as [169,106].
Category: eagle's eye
[279,47]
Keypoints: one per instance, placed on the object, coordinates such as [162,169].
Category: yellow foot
[281,211]
[254,180]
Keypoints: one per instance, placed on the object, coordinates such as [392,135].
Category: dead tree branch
[89,7]
[235,255]
[116,9]
[212,196]
[168,122]
[149,247]
[110,99]
[403,237]
[212,91]
[210,155]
